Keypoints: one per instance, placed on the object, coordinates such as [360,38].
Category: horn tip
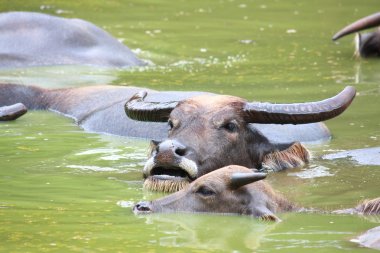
[335,37]
[261,175]
[351,89]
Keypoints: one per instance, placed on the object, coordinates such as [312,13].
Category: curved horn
[12,112]
[361,24]
[239,179]
[136,108]
[299,113]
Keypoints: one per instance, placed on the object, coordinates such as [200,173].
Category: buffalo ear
[239,179]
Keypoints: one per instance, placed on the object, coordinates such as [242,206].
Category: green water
[65,190]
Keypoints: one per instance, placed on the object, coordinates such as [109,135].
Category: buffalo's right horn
[361,24]
[138,109]
[239,179]
[299,113]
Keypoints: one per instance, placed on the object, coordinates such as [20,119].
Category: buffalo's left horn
[361,24]
[138,109]
[299,113]
[239,179]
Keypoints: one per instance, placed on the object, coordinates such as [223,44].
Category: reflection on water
[364,71]
[209,232]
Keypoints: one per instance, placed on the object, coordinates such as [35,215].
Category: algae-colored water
[66,190]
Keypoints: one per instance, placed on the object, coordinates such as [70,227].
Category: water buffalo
[101,109]
[363,156]
[239,190]
[35,39]
[209,132]
[367,44]
[95,108]
[369,239]
[236,190]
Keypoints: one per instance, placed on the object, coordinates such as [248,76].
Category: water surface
[66,190]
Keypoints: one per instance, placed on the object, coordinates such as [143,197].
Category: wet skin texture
[35,39]
[204,132]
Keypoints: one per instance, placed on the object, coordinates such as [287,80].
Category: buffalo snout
[169,168]
[142,207]
[169,150]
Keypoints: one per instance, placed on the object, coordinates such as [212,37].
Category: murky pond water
[66,190]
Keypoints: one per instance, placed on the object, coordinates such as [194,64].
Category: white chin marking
[189,166]
[148,166]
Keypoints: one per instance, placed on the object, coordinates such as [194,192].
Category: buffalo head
[237,190]
[367,44]
[212,131]
[230,190]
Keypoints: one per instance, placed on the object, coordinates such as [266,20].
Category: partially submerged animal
[363,156]
[209,132]
[94,108]
[36,39]
[236,190]
[239,190]
[369,239]
[367,44]
[229,190]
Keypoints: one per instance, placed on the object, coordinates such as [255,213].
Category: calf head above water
[236,190]
[230,190]
[212,131]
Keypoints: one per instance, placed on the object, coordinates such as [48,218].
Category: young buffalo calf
[235,190]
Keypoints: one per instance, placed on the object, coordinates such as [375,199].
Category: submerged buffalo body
[206,131]
[369,239]
[95,108]
[367,44]
[363,156]
[35,39]
[209,132]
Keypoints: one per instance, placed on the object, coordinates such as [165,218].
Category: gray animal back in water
[35,39]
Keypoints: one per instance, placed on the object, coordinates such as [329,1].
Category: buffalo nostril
[142,207]
[180,151]
[171,147]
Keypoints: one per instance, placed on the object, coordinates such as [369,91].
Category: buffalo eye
[205,191]
[230,127]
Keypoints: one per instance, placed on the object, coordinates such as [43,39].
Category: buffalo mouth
[169,173]
[169,177]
